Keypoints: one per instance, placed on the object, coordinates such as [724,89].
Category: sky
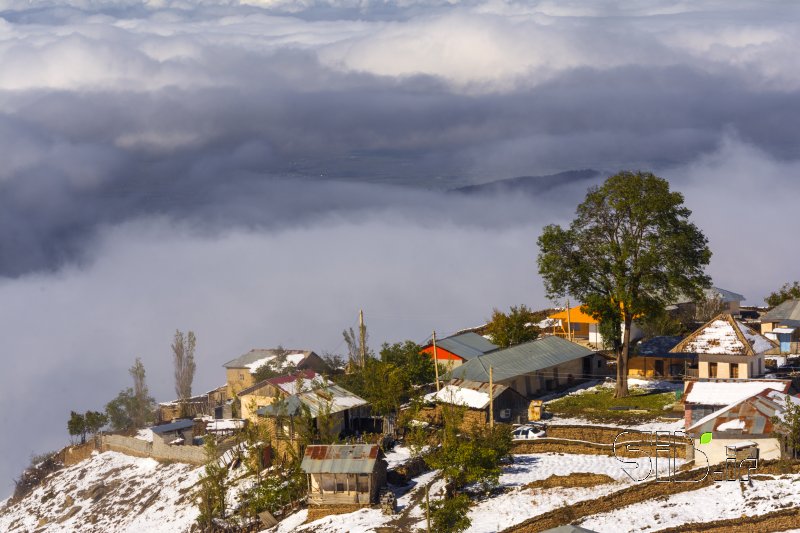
[259,171]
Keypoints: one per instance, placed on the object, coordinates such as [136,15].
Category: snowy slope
[109,492]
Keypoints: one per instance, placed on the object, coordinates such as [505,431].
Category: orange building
[457,349]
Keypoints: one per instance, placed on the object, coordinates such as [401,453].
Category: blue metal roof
[178,425]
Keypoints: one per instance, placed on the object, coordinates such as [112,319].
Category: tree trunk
[622,360]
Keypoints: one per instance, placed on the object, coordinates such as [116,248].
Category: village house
[535,367]
[727,348]
[575,324]
[653,359]
[266,392]
[213,403]
[701,398]
[239,372]
[507,404]
[731,302]
[331,406]
[782,324]
[457,349]
[743,429]
[344,474]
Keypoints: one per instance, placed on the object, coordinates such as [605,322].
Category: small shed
[344,474]
[178,432]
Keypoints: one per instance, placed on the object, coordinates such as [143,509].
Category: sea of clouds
[260,171]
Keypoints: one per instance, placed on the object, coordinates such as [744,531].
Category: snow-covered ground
[109,492]
[719,501]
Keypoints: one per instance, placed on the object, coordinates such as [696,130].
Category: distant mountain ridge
[529,184]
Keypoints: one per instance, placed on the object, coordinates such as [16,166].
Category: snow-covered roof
[737,423]
[752,415]
[728,392]
[459,396]
[260,356]
[725,335]
[225,424]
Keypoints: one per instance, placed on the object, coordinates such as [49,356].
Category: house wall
[261,398]
[238,379]
[646,366]
[535,383]
[766,327]
[768,448]
[444,357]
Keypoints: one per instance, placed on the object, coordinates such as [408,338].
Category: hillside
[530,184]
[108,492]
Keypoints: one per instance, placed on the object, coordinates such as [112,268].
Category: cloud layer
[259,171]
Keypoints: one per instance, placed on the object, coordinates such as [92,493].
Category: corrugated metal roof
[259,353]
[658,345]
[173,426]
[724,295]
[466,345]
[750,416]
[521,359]
[317,400]
[788,310]
[341,459]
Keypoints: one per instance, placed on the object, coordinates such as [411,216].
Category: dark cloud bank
[258,173]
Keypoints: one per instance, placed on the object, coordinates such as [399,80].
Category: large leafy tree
[183,360]
[515,327]
[630,250]
[407,356]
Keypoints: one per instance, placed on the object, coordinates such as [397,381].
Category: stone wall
[75,454]
[315,512]
[157,449]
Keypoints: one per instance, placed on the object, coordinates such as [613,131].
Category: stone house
[239,372]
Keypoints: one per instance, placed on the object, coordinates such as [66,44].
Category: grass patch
[576,479]
[599,404]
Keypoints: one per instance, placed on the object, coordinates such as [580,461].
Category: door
[660,367]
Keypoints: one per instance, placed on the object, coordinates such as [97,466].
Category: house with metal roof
[782,324]
[344,474]
[329,408]
[239,372]
[506,404]
[727,348]
[457,349]
[701,398]
[731,301]
[653,358]
[534,367]
[267,391]
[745,425]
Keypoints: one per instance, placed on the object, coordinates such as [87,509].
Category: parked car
[529,431]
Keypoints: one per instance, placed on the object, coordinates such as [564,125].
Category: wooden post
[362,333]
[435,361]
[491,398]
[428,507]
[569,323]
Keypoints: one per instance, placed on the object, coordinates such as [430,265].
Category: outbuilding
[344,474]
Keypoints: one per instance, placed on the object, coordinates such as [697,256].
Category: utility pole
[362,341]
[435,361]
[491,398]
[569,323]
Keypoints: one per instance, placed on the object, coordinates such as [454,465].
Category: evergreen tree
[76,426]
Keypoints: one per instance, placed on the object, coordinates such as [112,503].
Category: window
[241,376]
[712,370]
[734,370]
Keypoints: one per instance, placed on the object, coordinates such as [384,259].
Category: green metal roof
[466,345]
[521,359]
